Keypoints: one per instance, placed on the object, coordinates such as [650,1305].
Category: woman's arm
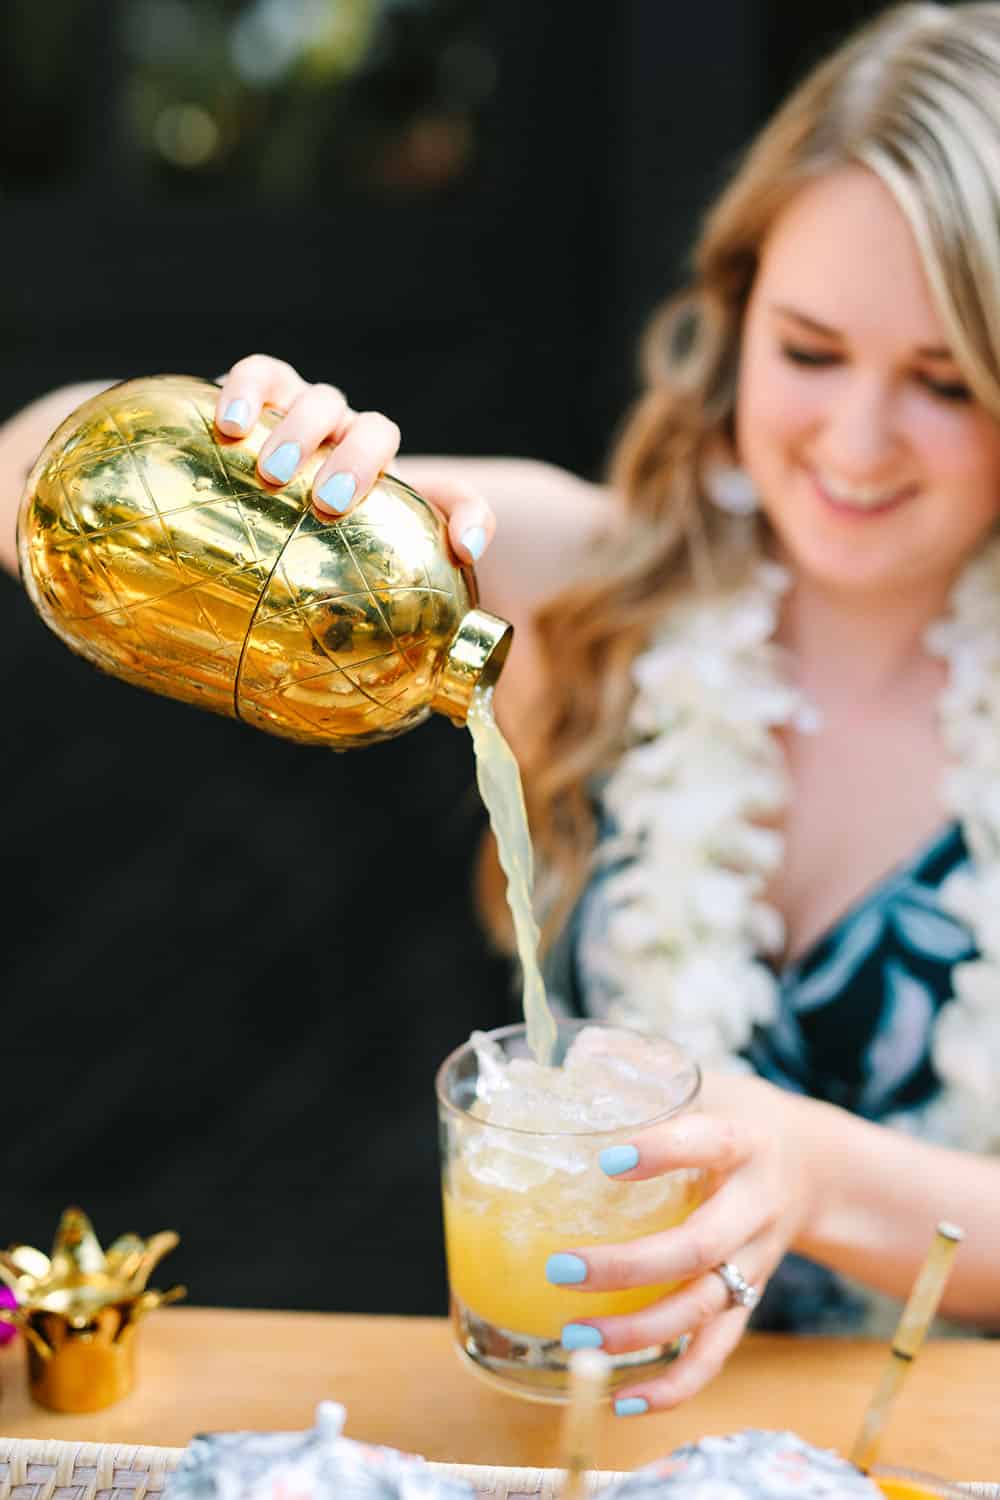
[546,523]
[877,1195]
[22,438]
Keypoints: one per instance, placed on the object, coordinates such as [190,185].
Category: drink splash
[500,786]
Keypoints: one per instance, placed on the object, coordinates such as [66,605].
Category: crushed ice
[609,1080]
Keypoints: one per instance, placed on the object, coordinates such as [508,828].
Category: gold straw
[589,1370]
[910,1331]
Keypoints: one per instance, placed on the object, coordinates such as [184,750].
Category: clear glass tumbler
[514,1195]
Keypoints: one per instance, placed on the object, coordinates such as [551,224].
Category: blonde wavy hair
[915,97]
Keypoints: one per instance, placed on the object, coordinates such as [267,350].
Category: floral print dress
[853,1027]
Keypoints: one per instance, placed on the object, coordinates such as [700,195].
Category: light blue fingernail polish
[631,1406]
[615,1159]
[282,463]
[581,1336]
[474,541]
[565,1270]
[337,492]
[237,413]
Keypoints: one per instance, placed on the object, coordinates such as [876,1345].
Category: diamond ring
[741,1293]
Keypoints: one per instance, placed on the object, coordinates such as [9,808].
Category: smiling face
[877,468]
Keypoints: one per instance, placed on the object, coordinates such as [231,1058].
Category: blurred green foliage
[272,97]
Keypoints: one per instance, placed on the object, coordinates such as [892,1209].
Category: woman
[734,725]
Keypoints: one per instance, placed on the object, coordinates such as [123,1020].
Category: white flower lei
[688,928]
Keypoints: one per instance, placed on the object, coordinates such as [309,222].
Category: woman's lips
[860,512]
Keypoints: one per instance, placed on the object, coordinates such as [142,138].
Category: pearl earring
[730,489]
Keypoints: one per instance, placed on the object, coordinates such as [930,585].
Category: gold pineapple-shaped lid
[78,1309]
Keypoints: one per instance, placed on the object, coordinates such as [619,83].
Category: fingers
[735,1214]
[703,1310]
[691,1140]
[319,413]
[748,1208]
[707,1352]
[368,445]
[695,1304]
[253,383]
[471,522]
[714,1340]
[363,445]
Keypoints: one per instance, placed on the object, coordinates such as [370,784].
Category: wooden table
[402,1383]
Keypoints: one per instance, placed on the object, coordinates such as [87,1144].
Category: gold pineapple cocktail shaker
[149,544]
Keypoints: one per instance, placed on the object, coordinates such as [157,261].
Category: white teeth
[865,497]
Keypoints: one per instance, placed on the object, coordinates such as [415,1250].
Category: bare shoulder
[22,437]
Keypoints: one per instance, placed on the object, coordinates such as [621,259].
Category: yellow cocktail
[514,1194]
[498,1243]
[909,1484]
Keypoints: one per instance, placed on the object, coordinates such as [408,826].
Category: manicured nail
[282,463]
[631,1406]
[237,414]
[474,541]
[581,1336]
[564,1270]
[615,1159]
[337,492]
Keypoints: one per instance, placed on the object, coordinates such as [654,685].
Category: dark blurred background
[229,965]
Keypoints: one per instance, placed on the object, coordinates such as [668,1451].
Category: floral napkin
[324,1465]
[316,1465]
[750,1465]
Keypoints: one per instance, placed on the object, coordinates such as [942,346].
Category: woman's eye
[811,357]
[947,390]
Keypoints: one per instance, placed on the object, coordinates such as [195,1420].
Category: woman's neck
[860,650]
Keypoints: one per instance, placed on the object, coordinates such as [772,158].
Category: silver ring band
[741,1293]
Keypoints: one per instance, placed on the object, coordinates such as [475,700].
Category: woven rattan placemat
[37,1470]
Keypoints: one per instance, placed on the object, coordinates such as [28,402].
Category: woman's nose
[860,429]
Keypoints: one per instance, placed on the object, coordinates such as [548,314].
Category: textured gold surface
[149,544]
[78,1310]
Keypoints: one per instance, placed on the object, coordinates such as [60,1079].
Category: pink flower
[7,1330]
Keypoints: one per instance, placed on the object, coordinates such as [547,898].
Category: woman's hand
[363,444]
[750,1143]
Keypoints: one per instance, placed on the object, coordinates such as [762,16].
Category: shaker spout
[475,657]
